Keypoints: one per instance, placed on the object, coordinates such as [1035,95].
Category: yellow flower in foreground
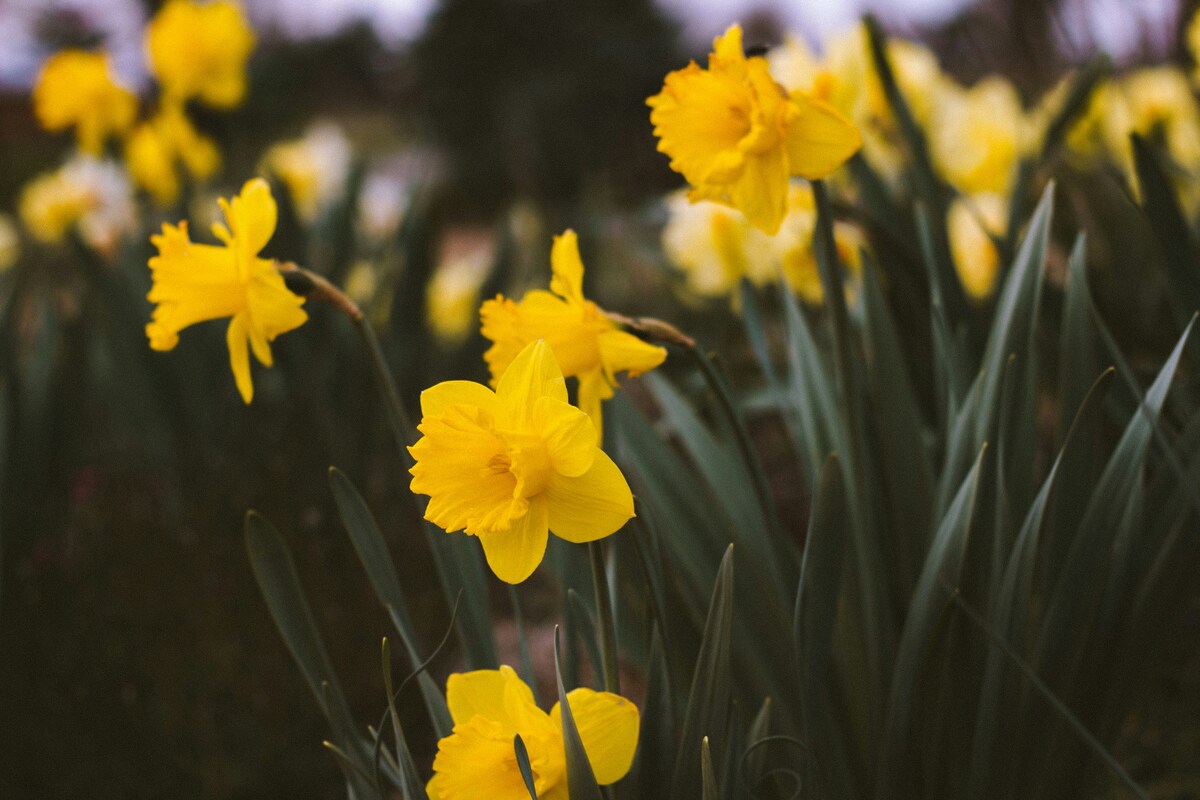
[156,148]
[511,465]
[737,136]
[490,707]
[76,88]
[588,345]
[971,223]
[199,50]
[198,282]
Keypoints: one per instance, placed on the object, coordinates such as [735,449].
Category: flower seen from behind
[737,136]
[198,282]
[199,51]
[76,89]
[510,466]
[490,707]
[588,345]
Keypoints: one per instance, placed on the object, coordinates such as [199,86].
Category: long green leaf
[581,781]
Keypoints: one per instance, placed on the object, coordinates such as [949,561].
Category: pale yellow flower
[76,89]
[86,195]
[971,223]
[452,294]
[978,136]
[198,282]
[10,243]
[796,255]
[737,136]
[199,50]
[715,246]
[314,168]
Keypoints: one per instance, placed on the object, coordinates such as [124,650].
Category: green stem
[604,619]
[397,414]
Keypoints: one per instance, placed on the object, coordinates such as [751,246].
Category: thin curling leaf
[1171,230]
[581,781]
[523,765]
[708,701]
[410,784]
[377,562]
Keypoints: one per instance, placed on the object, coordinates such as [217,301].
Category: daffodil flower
[76,89]
[199,50]
[737,136]
[198,282]
[510,466]
[490,707]
[588,345]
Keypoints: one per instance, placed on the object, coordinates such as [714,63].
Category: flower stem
[604,619]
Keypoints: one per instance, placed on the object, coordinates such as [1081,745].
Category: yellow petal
[594,389]
[483,692]
[591,506]
[515,553]
[237,337]
[727,48]
[533,374]
[251,216]
[819,139]
[624,352]
[274,309]
[478,760]
[568,434]
[761,191]
[437,399]
[699,118]
[567,267]
[608,727]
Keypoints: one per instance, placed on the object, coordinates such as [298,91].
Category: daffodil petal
[761,190]
[594,389]
[624,352]
[569,435]
[515,553]
[252,216]
[482,692]
[534,373]
[437,399]
[478,758]
[819,139]
[591,506]
[567,267]
[608,727]
[237,336]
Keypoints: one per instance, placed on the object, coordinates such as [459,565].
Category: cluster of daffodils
[197,53]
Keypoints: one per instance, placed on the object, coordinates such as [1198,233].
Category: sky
[1117,26]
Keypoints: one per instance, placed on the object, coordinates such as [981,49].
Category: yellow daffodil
[452,294]
[198,282]
[715,246]
[737,136]
[979,135]
[512,465]
[199,50]
[155,149]
[588,345]
[314,168]
[490,707]
[89,196]
[971,223]
[796,256]
[76,89]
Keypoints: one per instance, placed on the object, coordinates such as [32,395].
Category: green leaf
[1181,262]
[581,781]
[1077,362]
[656,738]
[708,701]
[522,765]
[410,785]
[377,561]
[709,789]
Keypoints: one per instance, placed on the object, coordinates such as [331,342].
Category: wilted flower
[971,223]
[88,195]
[76,89]
[198,282]
[491,707]
[587,344]
[199,50]
[158,146]
[313,168]
[737,136]
[512,465]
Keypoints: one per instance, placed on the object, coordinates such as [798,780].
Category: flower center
[528,459]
